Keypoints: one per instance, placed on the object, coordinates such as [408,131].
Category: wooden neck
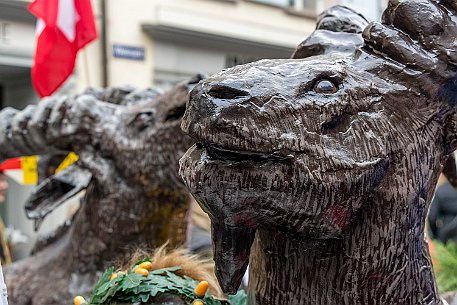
[114,227]
[383,259]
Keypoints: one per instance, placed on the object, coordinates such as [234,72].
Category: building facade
[161,42]
[17,36]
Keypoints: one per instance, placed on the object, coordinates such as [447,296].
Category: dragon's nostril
[175,113]
[226,93]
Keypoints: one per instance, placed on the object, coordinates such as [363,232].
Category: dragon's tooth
[232,246]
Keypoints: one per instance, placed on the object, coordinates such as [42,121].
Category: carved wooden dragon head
[118,133]
[361,112]
[128,145]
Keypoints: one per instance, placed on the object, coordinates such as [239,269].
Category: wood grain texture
[326,163]
[129,143]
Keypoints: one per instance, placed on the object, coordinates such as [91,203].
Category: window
[279,3]
[4,32]
[292,5]
[303,5]
[369,9]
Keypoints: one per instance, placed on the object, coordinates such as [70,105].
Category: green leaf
[142,261]
[108,294]
[95,297]
[176,279]
[164,270]
[104,278]
[134,288]
[155,291]
[103,288]
[240,298]
[130,281]
[144,297]
[447,266]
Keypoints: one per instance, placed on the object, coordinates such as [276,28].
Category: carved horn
[339,30]
[341,19]
[419,37]
[418,34]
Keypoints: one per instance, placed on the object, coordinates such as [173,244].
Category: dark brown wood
[327,164]
[450,170]
[128,149]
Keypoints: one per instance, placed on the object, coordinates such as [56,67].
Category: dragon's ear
[338,30]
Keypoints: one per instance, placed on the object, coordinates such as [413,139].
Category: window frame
[290,8]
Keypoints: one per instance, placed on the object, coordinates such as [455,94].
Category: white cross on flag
[63,28]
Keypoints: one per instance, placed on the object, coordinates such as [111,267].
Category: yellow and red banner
[24,170]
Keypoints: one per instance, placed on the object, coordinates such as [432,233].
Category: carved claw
[339,30]
[53,126]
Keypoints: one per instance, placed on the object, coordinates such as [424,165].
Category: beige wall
[247,20]
[244,20]
[18,43]
[88,72]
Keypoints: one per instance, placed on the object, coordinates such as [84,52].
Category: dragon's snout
[211,98]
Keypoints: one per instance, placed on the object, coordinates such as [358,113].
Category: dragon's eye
[325,86]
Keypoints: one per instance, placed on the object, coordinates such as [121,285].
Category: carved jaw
[255,168]
[56,190]
[273,194]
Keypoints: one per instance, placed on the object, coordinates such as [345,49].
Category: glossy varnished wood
[327,162]
[129,144]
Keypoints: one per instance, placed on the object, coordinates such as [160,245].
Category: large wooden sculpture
[128,165]
[326,163]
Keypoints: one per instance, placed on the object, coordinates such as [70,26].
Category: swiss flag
[63,27]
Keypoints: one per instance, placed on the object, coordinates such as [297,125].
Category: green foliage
[129,287]
[143,261]
[101,282]
[240,298]
[446,271]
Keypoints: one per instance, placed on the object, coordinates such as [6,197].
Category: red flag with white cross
[63,28]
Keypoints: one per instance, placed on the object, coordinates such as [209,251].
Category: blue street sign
[128,52]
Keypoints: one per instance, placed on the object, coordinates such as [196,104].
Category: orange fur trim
[192,265]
